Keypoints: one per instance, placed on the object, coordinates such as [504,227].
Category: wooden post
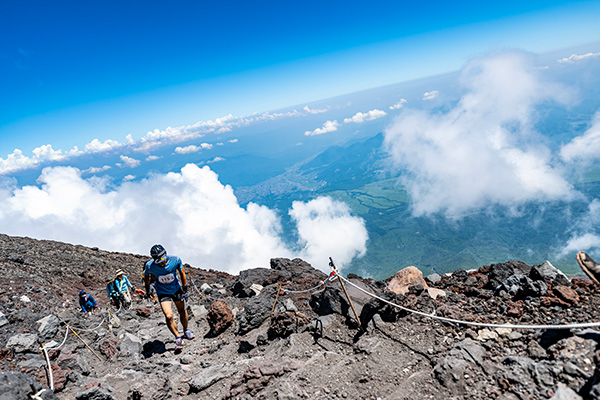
[332,265]
[83,341]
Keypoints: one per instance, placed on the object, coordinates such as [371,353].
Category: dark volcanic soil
[253,343]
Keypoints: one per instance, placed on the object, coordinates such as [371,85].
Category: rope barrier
[480,324]
[330,278]
[51,378]
[63,342]
[93,329]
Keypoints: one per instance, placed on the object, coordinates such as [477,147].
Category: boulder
[521,286]
[256,276]
[48,327]
[206,288]
[23,343]
[565,393]
[328,301]
[130,344]
[197,311]
[405,278]
[19,386]
[208,377]
[450,370]
[548,272]
[499,273]
[219,317]
[297,269]
[143,311]
[256,310]
[3,319]
[286,323]
[94,393]
[254,338]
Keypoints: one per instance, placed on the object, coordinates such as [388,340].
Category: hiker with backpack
[164,268]
[87,302]
[123,285]
[114,295]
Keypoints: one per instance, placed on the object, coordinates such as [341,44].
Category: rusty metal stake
[276,297]
[335,269]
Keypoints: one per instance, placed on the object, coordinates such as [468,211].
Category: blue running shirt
[166,277]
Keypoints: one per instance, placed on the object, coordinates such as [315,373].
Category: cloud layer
[190,212]
[483,151]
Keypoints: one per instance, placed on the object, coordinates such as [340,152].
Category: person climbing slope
[123,285]
[87,302]
[164,269]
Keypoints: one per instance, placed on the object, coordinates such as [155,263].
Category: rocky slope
[254,341]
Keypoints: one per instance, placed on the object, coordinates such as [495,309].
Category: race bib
[166,279]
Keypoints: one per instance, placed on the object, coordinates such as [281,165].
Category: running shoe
[188,334]
[178,344]
[589,266]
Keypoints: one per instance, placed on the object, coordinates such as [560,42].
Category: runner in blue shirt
[164,269]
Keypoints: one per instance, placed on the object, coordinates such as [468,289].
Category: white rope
[93,329]
[63,342]
[49,367]
[457,321]
[36,396]
[330,278]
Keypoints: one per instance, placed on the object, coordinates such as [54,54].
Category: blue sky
[73,71]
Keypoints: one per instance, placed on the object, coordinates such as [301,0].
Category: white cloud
[578,243]
[193,148]
[398,105]
[430,95]
[482,151]
[95,170]
[95,146]
[578,57]
[130,162]
[187,149]
[315,110]
[200,220]
[328,126]
[153,158]
[153,139]
[360,117]
[584,236]
[16,161]
[233,141]
[586,147]
[322,224]
[128,178]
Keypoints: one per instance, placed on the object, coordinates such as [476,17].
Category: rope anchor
[336,273]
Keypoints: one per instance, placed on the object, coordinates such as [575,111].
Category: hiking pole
[337,272]
[83,341]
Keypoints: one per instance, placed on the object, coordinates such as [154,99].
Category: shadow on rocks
[154,347]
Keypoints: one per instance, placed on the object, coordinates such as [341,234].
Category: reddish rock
[566,294]
[286,323]
[108,347]
[405,278]
[143,312]
[219,317]
[515,308]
